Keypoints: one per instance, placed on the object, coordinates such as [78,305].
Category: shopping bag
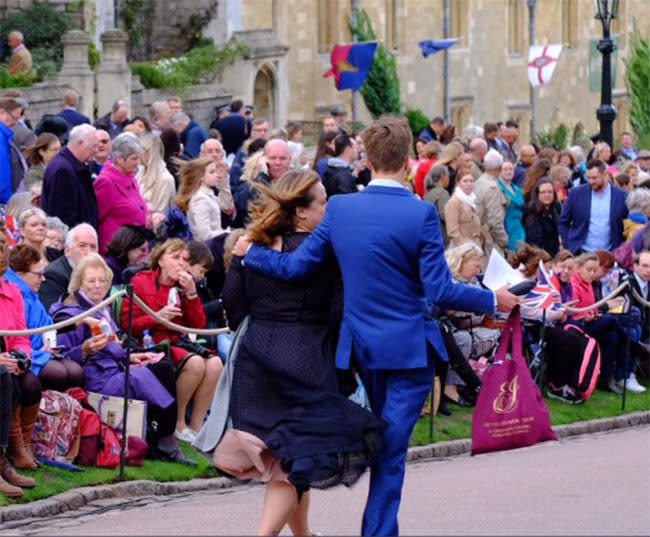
[510,412]
[111,411]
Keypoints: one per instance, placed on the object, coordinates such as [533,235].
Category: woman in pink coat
[118,197]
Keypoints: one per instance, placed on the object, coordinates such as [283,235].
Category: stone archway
[264,93]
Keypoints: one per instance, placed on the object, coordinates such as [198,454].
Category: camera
[24,361]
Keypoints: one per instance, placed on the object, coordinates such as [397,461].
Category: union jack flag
[544,295]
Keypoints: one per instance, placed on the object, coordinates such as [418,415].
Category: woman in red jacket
[603,328]
[169,289]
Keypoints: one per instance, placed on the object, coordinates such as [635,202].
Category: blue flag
[350,64]
[431,47]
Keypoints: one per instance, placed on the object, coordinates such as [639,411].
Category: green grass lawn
[52,481]
[600,405]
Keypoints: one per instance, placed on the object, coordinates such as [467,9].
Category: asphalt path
[590,485]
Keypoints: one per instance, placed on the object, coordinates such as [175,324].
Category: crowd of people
[159,202]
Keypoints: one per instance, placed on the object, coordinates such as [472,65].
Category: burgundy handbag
[510,412]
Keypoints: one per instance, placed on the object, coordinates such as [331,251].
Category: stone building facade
[488,74]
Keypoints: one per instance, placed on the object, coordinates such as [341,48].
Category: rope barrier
[613,294]
[67,322]
[640,299]
[178,327]
[108,302]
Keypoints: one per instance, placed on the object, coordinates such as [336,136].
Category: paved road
[591,485]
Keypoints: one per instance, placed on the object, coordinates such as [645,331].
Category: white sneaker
[633,385]
[186,435]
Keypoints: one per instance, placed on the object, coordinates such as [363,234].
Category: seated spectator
[32,225]
[436,193]
[466,263]
[21,392]
[431,151]
[38,156]
[197,199]
[542,216]
[151,377]
[201,262]
[563,267]
[515,211]
[638,205]
[461,214]
[27,272]
[640,281]
[338,177]
[604,328]
[80,241]
[55,237]
[138,125]
[169,289]
[129,247]
[630,169]
[118,197]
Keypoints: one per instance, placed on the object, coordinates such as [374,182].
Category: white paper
[499,273]
[49,338]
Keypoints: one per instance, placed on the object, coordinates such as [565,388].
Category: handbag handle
[511,337]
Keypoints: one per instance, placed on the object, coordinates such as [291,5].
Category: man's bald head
[478,147]
[278,158]
[527,154]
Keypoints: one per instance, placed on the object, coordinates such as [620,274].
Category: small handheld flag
[431,47]
[541,63]
[544,295]
[350,64]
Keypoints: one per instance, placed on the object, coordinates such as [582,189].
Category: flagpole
[354,4]
[445,75]
[531,32]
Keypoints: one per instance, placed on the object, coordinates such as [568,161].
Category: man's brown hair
[8,105]
[388,141]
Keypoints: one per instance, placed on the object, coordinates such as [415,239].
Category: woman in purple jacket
[103,357]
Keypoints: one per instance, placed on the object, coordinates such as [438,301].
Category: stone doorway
[264,94]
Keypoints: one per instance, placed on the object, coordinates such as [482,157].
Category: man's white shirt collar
[386,182]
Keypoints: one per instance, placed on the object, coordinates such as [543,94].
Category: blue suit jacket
[574,220]
[391,254]
[72,117]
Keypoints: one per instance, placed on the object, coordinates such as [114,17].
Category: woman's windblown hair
[274,211]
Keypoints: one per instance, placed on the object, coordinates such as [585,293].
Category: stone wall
[44,98]
[199,101]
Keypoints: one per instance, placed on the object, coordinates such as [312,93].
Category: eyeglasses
[93,281]
[35,273]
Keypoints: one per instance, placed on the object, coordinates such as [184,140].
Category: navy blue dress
[285,390]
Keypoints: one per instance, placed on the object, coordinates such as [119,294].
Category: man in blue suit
[69,112]
[391,254]
[592,217]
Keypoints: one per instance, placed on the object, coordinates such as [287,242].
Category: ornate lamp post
[606,10]
[531,37]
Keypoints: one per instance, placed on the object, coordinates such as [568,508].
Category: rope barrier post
[629,296]
[542,352]
[127,374]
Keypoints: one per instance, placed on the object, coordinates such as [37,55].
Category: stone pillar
[113,74]
[76,72]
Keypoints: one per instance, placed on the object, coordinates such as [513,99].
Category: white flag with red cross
[541,63]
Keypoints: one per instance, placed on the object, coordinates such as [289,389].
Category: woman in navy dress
[291,425]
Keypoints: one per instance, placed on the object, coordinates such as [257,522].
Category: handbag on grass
[510,412]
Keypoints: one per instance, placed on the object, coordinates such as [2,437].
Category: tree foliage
[381,90]
[637,79]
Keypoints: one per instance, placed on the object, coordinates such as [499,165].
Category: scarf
[470,199]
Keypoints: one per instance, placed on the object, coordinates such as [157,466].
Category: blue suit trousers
[397,397]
